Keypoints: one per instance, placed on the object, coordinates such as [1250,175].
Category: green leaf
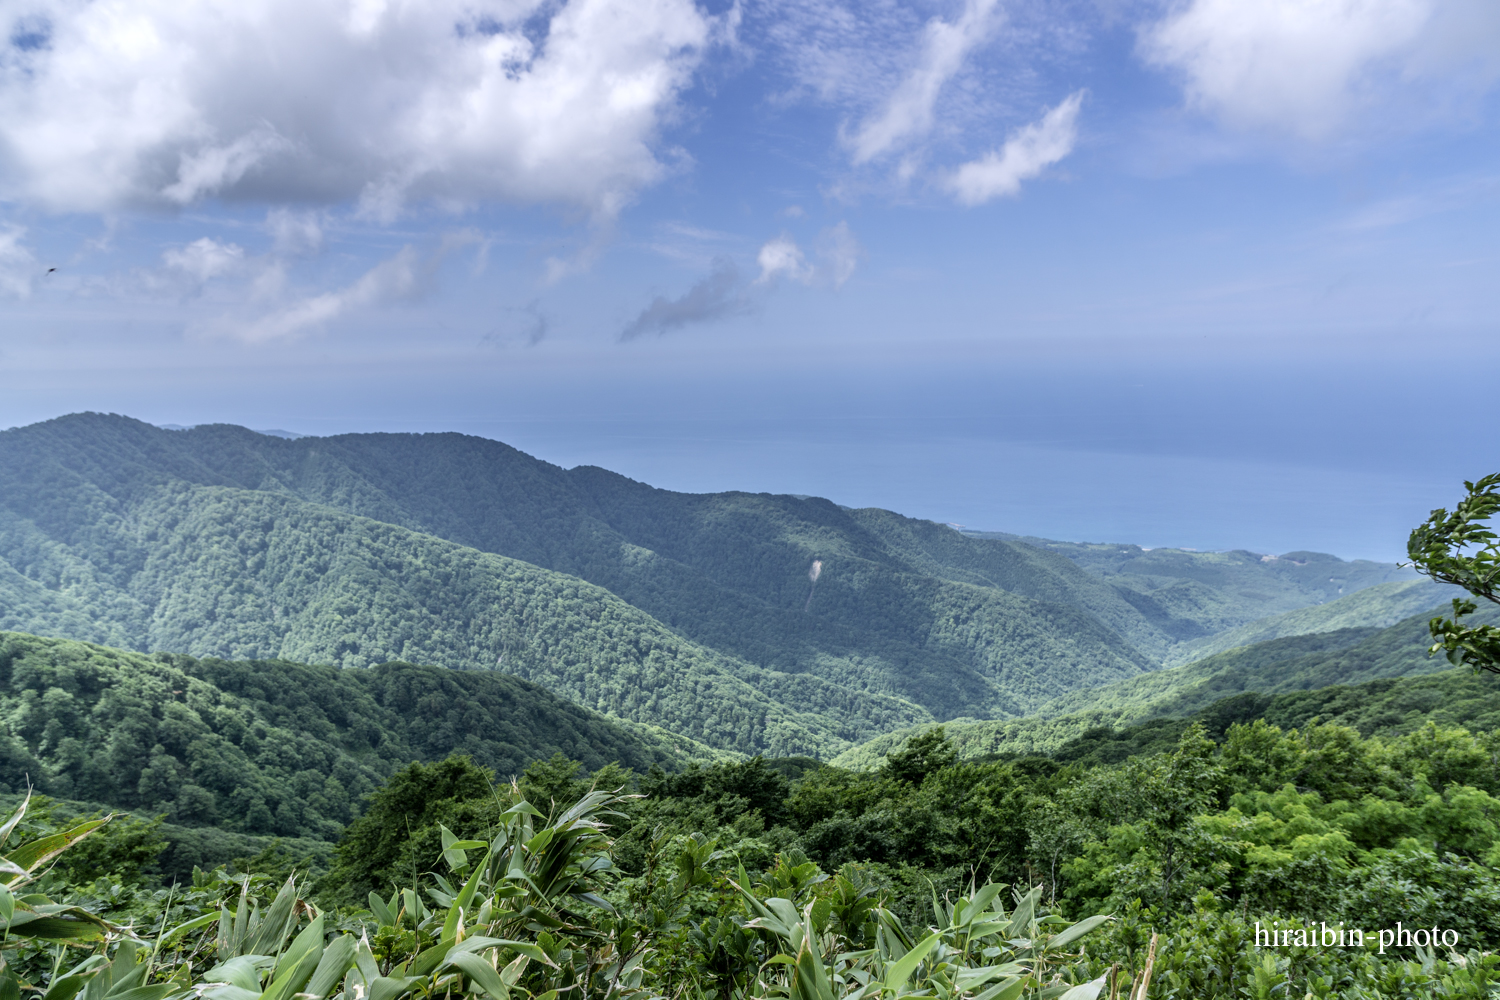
[1007,989]
[337,959]
[309,941]
[275,924]
[65,987]
[900,971]
[526,948]
[1064,938]
[191,925]
[10,824]
[32,856]
[481,973]
[158,991]
[430,958]
[389,988]
[1086,991]
[242,971]
[382,912]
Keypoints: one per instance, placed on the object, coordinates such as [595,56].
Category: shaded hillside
[271,747]
[1305,663]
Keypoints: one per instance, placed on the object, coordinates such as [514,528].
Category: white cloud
[405,276]
[213,168]
[17,264]
[1311,68]
[782,257]
[838,254]
[205,259]
[390,280]
[1028,152]
[908,113]
[295,233]
[131,102]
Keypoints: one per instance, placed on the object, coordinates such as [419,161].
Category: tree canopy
[1461,548]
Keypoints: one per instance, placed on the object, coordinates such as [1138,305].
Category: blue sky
[1209,273]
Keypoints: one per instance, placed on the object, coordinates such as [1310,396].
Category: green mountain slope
[234,573]
[112,518]
[1387,707]
[1379,606]
[448,549]
[1304,663]
[272,747]
[1193,595]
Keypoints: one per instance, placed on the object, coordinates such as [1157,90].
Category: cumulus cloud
[715,297]
[1311,69]
[121,103]
[1027,152]
[782,257]
[908,112]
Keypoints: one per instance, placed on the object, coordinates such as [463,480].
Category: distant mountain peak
[268,432]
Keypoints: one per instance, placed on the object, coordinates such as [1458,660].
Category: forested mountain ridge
[1260,671]
[1380,606]
[111,520]
[247,575]
[450,550]
[272,747]
[1193,595]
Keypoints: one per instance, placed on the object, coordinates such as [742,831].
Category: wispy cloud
[529,332]
[295,233]
[1028,152]
[405,276]
[1454,194]
[837,255]
[908,112]
[724,293]
[204,259]
[719,295]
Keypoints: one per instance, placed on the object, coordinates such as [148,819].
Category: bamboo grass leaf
[901,970]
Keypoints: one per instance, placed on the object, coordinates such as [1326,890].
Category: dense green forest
[978,773]
[1293,663]
[1261,813]
[695,613]
[270,747]
[1380,606]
